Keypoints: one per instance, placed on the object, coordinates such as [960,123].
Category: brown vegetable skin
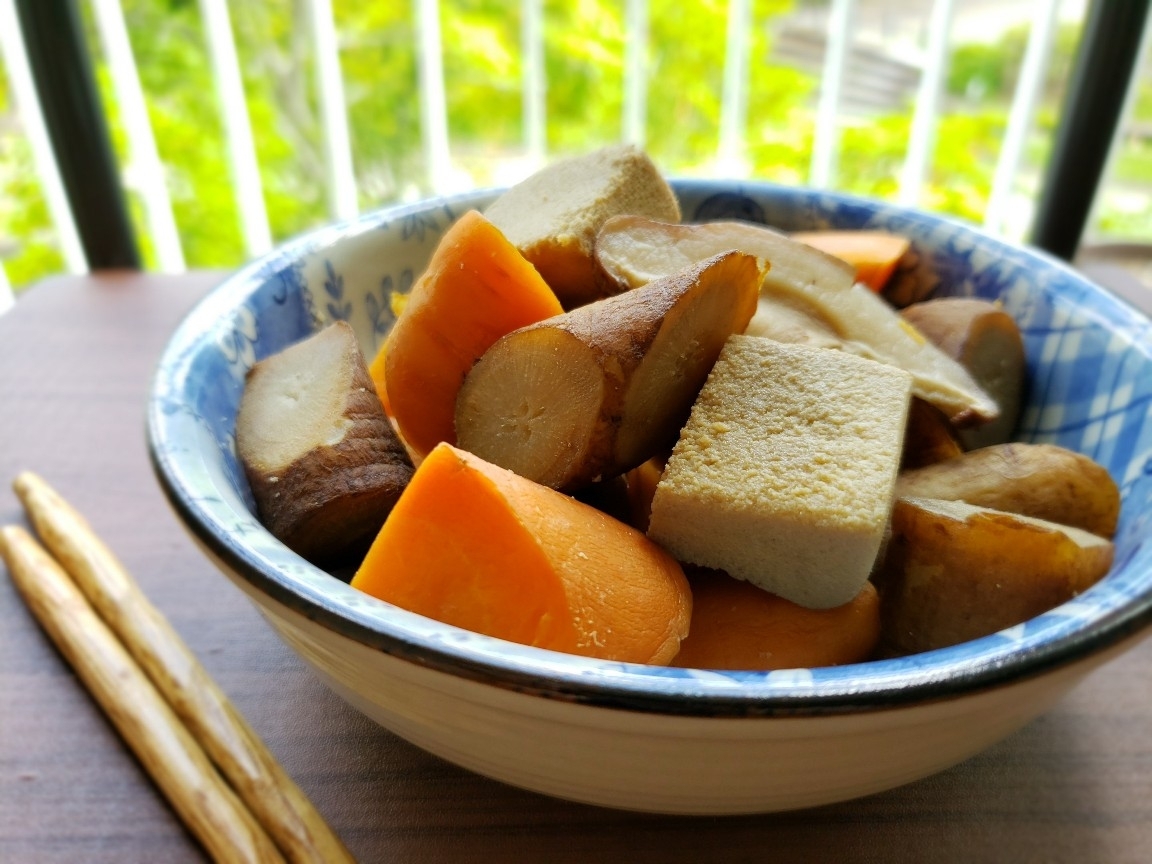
[1039,480]
[954,572]
[633,251]
[986,341]
[552,217]
[594,392]
[914,280]
[324,463]
[929,438]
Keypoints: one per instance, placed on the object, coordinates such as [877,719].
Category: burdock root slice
[594,392]
[323,461]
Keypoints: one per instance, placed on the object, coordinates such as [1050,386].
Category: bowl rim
[981,664]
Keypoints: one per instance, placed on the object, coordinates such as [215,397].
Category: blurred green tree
[483,64]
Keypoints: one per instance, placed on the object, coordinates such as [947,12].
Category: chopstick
[176,762]
[259,780]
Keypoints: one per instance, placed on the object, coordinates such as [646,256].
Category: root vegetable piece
[929,437]
[596,391]
[954,572]
[914,280]
[735,625]
[784,473]
[476,288]
[323,461]
[786,320]
[641,483]
[476,546]
[553,216]
[874,254]
[633,251]
[1039,480]
[986,341]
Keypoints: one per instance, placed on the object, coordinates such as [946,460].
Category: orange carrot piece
[477,546]
[376,373]
[477,288]
[736,625]
[874,254]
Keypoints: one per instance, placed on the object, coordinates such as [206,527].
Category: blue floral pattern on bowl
[1090,365]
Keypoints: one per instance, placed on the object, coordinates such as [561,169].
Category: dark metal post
[1105,63]
[66,88]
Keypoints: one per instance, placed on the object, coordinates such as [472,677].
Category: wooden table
[76,357]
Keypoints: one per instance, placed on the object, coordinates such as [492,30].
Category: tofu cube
[785,473]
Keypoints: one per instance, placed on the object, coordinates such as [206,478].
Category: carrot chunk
[479,547]
[874,254]
[736,625]
[477,288]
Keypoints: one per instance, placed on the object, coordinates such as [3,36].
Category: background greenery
[584,55]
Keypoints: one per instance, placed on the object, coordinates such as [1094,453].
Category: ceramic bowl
[648,738]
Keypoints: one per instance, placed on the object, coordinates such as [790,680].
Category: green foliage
[585,47]
[28,248]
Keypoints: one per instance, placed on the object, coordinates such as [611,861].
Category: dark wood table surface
[76,357]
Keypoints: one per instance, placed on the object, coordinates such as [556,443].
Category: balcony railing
[33,33]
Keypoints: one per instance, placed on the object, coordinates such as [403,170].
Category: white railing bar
[249,190]
[922,136]
[826,143]
[534,82]
[7,298]
[734,102]
[433,104]
[1124,122]
[32,119]
[146,172]
[1028,89]
[342,199]
[636,72]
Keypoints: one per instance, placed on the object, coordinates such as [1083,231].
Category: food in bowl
[324,463]
[665,738]
[784,474]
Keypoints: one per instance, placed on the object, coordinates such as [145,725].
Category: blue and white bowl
[650,738]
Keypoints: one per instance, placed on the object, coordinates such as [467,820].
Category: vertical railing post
[734,102]
[1028,90]
[534,82]
[636,72]
[1105,61]
[6,296]
[146,173]
[343,202]
[825,144]
[32,121]
[237,127]
[433,102]
[74,118]
[922,137]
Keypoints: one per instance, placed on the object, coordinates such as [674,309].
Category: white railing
[145,173]
[147,177]
[1020,118]
[24,92]
[7,298]
[237,128]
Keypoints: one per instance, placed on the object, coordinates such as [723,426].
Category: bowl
[651,738]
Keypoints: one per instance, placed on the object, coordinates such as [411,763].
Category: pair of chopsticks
[218,775]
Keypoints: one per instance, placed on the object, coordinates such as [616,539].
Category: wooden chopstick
[181,769]
[274,799]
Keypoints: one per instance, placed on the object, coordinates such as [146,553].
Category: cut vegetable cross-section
[479,547]
[594,392]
